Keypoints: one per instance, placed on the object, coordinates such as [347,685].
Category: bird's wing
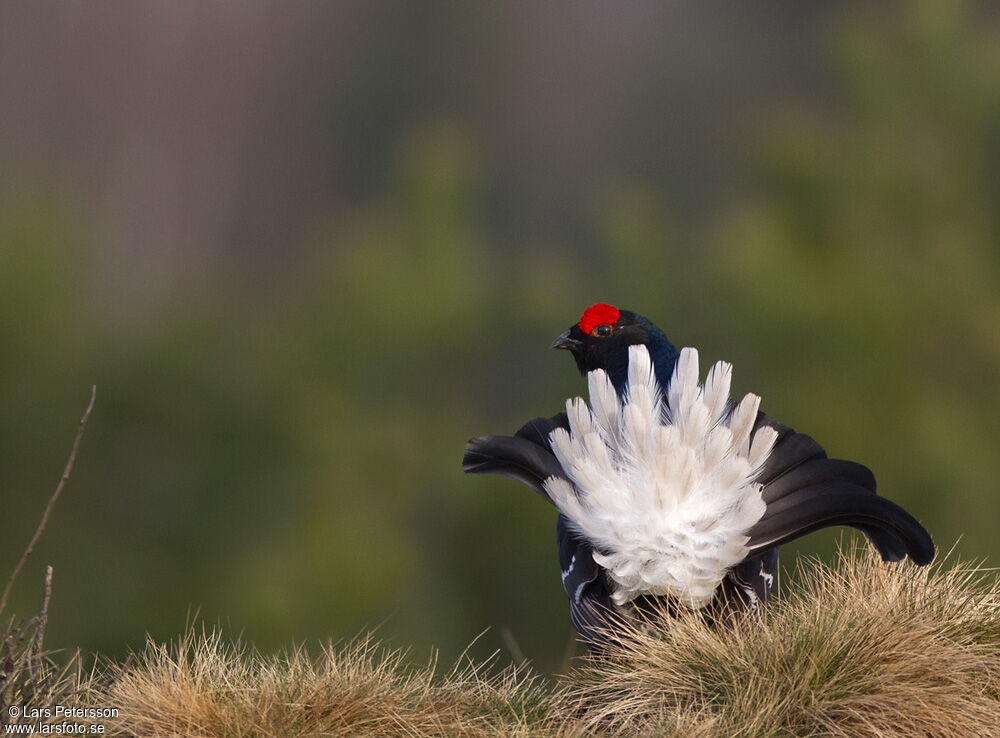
[750,581]
[804,491]
[586,585]
[526,456]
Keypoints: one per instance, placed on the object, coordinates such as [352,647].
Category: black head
[601,338]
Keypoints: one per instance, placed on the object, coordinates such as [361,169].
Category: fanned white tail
[663,485]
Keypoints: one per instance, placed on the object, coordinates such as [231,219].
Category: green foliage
[868,261]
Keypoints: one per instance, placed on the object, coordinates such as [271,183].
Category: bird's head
[600,340]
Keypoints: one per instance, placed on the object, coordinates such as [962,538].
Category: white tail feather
[664,485]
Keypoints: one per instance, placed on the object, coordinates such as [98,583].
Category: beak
[565,342]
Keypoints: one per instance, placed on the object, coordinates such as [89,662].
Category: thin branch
[52,499]
[35,655]
[122,671]
[43,617]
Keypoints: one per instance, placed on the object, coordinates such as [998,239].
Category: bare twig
[121,671]
[52,500]
[43,617]
[35,654]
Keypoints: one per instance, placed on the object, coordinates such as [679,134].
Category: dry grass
[205,686]
[28,674]
[860,648]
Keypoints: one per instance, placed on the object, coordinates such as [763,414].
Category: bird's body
[667,489]
[662,484]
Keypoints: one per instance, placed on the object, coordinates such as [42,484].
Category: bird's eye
[601,331]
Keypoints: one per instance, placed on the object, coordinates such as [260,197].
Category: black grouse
[667,488]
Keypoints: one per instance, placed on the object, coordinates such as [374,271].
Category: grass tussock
[858,648]
[203,685]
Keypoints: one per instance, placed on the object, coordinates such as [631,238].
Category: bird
[670,493]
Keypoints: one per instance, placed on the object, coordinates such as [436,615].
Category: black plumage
[802,488]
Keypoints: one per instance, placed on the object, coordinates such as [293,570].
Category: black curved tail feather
[892,530]
[805,491]
[512,457]
[526,456]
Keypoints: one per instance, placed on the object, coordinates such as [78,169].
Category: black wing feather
[804,491]
[538,430]
[828,504]
[514,457]
[586,585]
[526,456]
[816,471]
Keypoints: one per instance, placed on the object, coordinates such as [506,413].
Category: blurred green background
[306,250]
